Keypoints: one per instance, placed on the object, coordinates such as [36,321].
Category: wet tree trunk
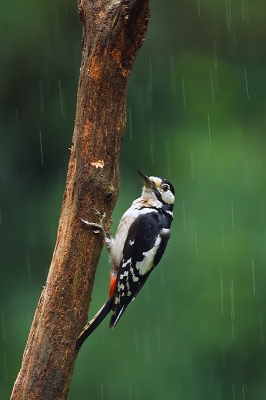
[113,32]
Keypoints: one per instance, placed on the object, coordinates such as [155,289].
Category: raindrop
[199,7]
[40,135]
[102,394]
[228,13]
[244,396]
[253,276]
[246,80]
[233,388]
[261,330]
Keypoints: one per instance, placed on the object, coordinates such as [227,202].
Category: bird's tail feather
[94,322]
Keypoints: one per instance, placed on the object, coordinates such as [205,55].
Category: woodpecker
[138,246]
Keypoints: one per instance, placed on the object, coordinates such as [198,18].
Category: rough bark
[113,32]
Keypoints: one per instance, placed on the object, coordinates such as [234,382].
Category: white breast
[121,234]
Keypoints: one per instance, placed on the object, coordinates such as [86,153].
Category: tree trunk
[113,32]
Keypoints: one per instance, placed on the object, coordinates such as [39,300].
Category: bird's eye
[165,187]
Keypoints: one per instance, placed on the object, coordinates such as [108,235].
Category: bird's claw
[99,226]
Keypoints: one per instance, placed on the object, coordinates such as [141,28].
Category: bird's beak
[146,180]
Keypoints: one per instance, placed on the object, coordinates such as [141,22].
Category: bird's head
[161,188]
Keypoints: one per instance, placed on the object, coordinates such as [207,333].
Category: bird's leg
[108,238]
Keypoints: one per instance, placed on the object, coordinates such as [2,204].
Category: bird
[138,246]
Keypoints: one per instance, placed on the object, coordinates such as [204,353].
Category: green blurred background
[196,115]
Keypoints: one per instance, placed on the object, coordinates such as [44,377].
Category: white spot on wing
[125,263]
[134,277]
[125,273]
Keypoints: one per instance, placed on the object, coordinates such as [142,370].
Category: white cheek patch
[147,263]
[168,197]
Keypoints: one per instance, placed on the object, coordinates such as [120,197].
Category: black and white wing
[144,247]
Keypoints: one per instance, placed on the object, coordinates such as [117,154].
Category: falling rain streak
[199,7]
[233,389]
[245,12]
[228,13]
